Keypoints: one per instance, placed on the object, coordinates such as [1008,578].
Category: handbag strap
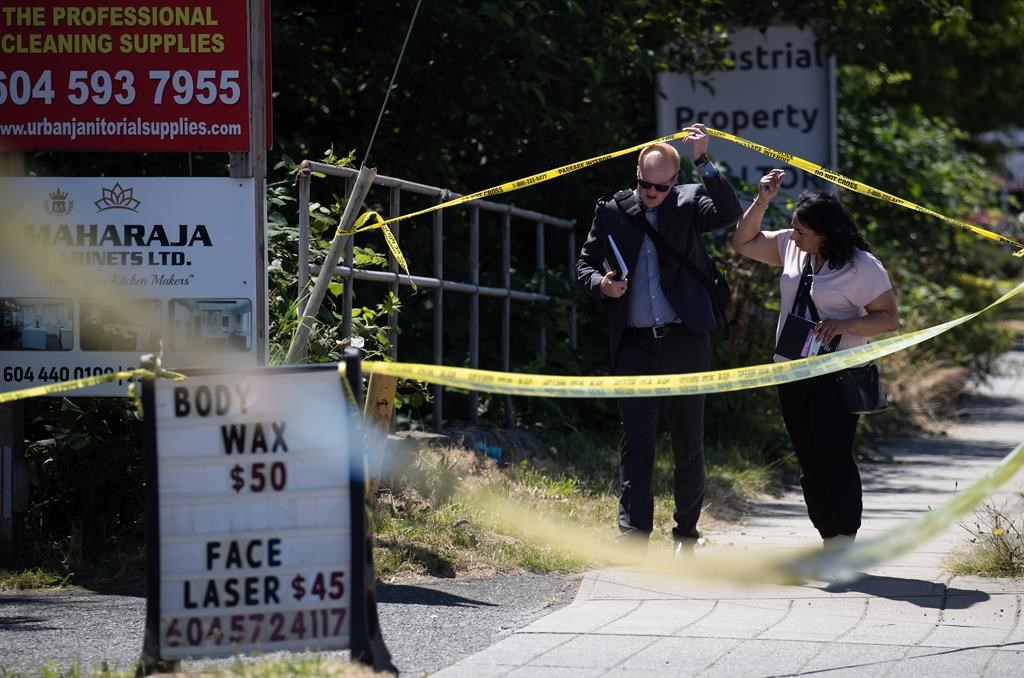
[803,299]
[627,202]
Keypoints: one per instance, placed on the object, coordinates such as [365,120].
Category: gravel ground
[427,625]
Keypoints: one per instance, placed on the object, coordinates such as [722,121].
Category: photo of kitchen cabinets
[210,325]
[37,324]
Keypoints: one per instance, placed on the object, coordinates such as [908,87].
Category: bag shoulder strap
[803,297]
[627,202]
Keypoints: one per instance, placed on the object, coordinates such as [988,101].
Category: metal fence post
[474,305]
[303,272]
[347,293]
[394,210]
[542,337]
[572,284]
[506,311]
[439,312]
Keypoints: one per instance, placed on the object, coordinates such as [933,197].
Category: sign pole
[13,467]
[254,164]
[367,643]
[150,661]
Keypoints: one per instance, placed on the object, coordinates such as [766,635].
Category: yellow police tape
[362,225]
[971,280]
[76,384]
[864,189]
[555,386]
[372,220]
[757,376]
[834,565]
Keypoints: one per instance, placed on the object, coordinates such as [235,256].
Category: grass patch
[425,529]
[61,565]
[32,578]
[424,525]
[996,545]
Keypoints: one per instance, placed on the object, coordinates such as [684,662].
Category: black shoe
[635,540]
[684,548]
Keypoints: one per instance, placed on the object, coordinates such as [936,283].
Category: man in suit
[660,317]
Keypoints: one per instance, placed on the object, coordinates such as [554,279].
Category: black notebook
[797,339]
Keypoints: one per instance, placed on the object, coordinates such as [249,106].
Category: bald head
[657,164]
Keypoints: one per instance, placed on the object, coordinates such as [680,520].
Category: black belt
[656,332]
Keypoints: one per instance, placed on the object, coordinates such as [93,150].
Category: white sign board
[255,516]
[781,94]
[96,271]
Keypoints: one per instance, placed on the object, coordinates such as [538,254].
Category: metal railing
[437,282]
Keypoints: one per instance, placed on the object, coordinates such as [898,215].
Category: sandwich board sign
[256,530]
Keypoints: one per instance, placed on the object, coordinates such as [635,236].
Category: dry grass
[996,544]
[429,523]
[922,396]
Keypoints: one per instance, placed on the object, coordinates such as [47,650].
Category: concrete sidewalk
[909,617]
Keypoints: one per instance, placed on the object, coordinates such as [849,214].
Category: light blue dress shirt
[648,306]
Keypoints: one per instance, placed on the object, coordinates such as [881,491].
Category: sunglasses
[660,188]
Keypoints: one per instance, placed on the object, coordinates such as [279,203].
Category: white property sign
[255,521]
[781,93]
[96,271]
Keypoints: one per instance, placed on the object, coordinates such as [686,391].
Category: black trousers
[677,353]
[822,431]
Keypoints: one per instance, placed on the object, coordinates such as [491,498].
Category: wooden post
[377,411]
[316,296]
[254,164]
[13,467]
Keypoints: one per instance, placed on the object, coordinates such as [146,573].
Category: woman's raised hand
[770,184]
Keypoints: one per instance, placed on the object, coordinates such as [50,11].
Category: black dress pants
[822,431]
[676,353]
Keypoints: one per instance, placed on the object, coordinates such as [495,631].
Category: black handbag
[715,283]
[861,388]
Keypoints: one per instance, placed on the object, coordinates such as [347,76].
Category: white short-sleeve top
[837,293]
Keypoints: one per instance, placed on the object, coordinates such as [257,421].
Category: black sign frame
[366,643]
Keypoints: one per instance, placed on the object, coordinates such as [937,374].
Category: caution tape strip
[372,220]
[735,379]
[864,189]
[843,564]
[508,187]
[76,384]
[971,280]
[555,386]
[835,565]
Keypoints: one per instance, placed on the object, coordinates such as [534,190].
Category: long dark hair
[826,215]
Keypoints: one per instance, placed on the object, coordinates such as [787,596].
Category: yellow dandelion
[998,532]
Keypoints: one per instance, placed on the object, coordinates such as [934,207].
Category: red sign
[119,75]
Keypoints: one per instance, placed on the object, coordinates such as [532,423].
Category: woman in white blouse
[853,299]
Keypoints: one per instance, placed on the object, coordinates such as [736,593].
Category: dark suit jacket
[687,211]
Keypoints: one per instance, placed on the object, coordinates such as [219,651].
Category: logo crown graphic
[117,198]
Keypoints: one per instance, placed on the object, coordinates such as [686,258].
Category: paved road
[427,626]
[904,618]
